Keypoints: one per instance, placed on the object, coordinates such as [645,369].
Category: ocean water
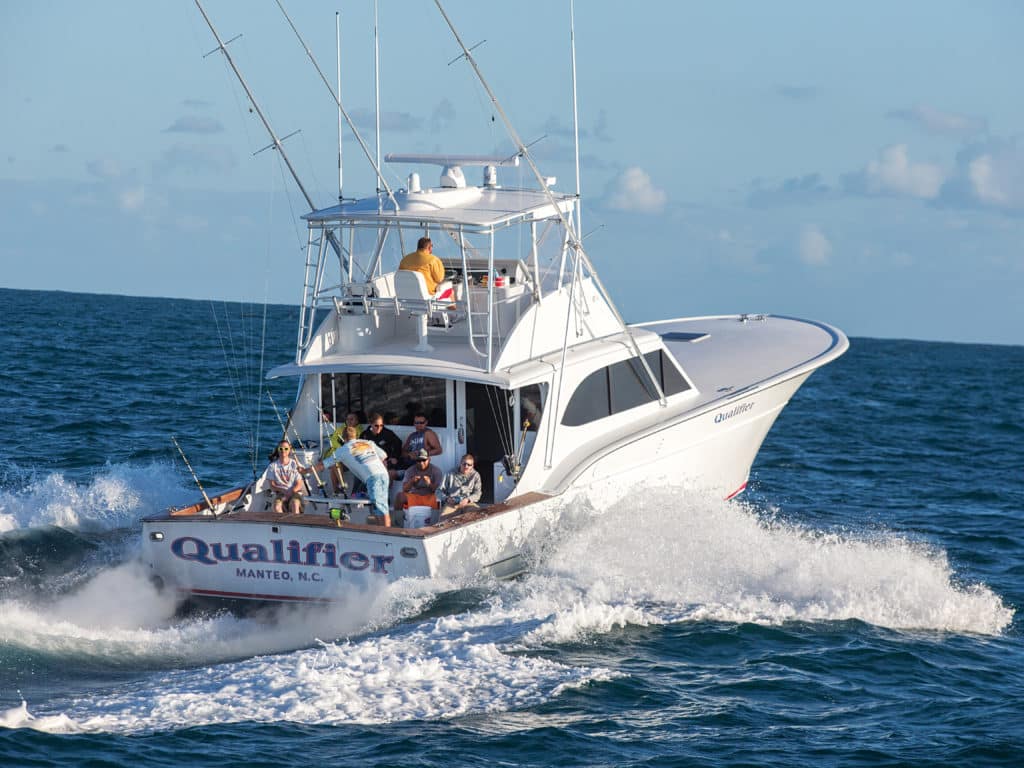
[859,605]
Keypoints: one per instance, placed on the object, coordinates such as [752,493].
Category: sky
[856,163]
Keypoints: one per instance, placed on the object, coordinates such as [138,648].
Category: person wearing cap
[366,462]
[419,487]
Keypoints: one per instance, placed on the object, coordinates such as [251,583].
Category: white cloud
[814,247]
[132,198]
[998,179]
[984,181]
[104,168]
[399,122]
[893,173]
[989,174]
[189,158]
[634,191]
[938,122]
[798,92]
[195,124]
[443,115]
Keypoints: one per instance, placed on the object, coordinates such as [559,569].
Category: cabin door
[487,415]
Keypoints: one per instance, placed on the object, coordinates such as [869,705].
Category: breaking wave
[627,560]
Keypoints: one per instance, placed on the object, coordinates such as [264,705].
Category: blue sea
[859,605]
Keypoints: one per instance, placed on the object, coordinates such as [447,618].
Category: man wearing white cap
[419,486]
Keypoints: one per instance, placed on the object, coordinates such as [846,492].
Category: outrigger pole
[276,142]
[575,120]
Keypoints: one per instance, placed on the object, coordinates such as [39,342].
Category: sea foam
[116,497]
[627,559]
[667,554]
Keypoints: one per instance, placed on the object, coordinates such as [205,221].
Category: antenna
[575,117]
[341,108]
[376,86]
[337,37]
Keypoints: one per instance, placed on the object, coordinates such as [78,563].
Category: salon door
[487,416]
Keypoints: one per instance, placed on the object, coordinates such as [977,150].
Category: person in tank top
[422,438]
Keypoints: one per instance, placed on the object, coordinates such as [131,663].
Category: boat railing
[491,291]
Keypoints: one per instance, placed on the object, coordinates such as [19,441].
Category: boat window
[620,387]
[399,398]
[672,381]
[590,400]
[630,385]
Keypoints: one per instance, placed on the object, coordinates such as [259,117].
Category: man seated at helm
[424,261]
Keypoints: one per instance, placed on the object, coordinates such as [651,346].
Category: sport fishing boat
[524,362]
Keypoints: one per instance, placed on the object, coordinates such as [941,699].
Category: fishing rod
[277,412]
[209,503]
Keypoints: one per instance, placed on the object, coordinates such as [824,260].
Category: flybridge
[507,253]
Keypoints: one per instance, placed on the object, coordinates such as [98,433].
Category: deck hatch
[681,336]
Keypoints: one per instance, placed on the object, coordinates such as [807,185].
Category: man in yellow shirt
[424,261]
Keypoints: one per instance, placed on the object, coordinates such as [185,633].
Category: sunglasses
[377,426]
[419,423]
[286,450]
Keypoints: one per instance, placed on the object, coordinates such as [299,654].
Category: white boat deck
[728,355]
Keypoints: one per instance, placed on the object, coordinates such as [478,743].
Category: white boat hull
[310,558]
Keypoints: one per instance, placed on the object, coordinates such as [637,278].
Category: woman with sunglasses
[286,482]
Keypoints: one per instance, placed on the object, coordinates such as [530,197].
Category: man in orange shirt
[424,261]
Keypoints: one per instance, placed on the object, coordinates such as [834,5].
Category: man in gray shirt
[460,490]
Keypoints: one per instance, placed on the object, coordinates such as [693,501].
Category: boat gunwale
[324,521]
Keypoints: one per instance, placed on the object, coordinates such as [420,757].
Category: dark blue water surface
[858,606]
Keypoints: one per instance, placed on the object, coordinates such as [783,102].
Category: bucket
[417,517]
[499,282]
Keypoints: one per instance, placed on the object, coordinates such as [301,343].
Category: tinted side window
[672,381]
[622,386]
[590,400]
[630,384]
